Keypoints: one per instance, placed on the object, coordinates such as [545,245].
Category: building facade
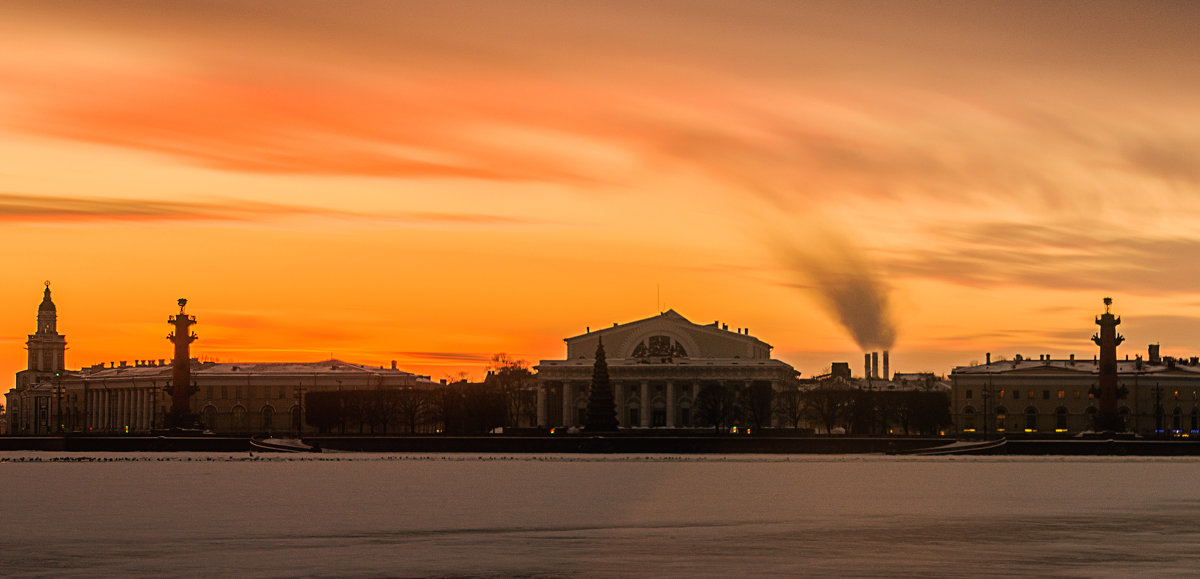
[1044,396]
[657,367]
[135,398]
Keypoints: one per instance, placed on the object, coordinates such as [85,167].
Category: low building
[229,398]
[657,366]
[1047,396]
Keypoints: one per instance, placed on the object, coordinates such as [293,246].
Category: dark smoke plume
[847,287]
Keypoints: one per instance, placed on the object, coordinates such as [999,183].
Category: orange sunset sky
[436,182]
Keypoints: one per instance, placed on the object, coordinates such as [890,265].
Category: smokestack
[874,364]
[866,365]
[885,376]
[989,357]
[1155,358]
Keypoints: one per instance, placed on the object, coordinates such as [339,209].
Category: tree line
[504,399]
[826,407]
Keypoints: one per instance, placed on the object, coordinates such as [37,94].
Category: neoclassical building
[657,367]
[122,397]
[1049,396]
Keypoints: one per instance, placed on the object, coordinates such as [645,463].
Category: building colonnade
[639,403]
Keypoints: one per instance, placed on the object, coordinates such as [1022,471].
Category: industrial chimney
[1155,357]
[866,365]
[874,364]
[885,376]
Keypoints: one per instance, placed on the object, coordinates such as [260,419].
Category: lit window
[1002,393]
[1031,395]
[1077,395]
[1062,394]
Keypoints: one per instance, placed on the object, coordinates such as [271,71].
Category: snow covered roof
[1080,366]
[324,367]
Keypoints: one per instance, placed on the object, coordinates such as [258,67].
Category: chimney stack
[989,357]
[1155,357]
[886,375]
[874,364]
[866,365]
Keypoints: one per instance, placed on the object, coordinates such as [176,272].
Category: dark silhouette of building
[138,397]
[35,402]
[1040,395]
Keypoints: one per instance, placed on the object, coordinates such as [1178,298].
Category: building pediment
[668,337]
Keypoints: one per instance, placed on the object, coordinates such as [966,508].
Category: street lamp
[299,409]
[58,396]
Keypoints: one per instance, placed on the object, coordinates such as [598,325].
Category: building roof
[1080,366]
[325,367]
[673,317]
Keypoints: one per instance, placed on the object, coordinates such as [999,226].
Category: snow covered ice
[151,514]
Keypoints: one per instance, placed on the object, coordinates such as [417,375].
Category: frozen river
[606,516]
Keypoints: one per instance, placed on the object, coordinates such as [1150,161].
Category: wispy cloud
[446,356]
[49,209]
[1053,257]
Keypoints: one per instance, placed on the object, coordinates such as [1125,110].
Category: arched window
[268,418]
[1031,419]
[239,418]
[1001,416]
[1060,418]
[209,417]
[969,418]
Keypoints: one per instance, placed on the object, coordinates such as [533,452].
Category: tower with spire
[47,348]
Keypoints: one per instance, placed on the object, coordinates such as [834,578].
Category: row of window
[281,392]
[1062,394]
[1031,394]
[1061,413]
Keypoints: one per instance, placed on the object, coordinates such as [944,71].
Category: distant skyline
[437,182]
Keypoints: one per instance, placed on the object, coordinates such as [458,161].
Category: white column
[645,414]
[542,419]
[671,404]
[619,403]
[568,404]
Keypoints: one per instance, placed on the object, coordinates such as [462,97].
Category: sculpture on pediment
[661,347]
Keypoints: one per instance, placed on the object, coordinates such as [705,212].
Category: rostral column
[181,371]
[1107,417]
